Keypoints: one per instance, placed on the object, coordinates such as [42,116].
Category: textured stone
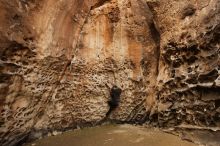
[58,56]
[189,61]
[58,59]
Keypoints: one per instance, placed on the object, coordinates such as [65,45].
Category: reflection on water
[113,135]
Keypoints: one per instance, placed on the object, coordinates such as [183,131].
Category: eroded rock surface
[188,80]
[57,56]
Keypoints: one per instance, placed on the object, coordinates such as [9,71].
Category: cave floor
[113,135]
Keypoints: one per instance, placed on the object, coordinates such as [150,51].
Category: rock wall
[58,59]
[188,80]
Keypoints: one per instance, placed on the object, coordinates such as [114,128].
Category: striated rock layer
[58,59]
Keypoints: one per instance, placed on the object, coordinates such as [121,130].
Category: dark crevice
[210,77]
[155,33]
[113,103]
[188,11]
[217,103]
[100,3]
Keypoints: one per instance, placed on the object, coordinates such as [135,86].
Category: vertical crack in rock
[150,101]
[156,37]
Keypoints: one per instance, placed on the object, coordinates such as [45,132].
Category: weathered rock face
[58,57]
[188,79]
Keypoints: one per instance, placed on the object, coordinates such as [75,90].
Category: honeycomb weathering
[58,58]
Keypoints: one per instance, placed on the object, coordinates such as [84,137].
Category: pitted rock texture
[188,80]
[58,59]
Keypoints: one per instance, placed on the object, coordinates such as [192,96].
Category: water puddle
[113,135]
